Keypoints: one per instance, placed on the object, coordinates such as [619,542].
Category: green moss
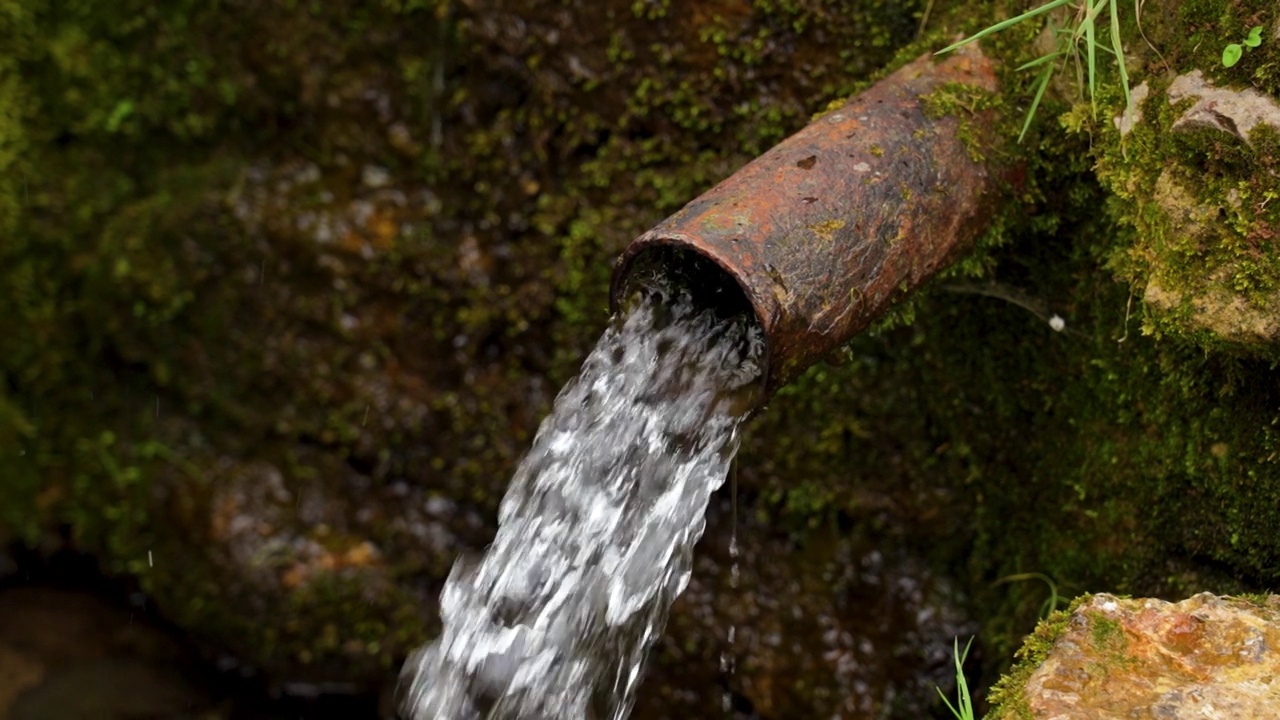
[20,482]
[1200,204]
[1007,698]
[1198,198]
[1106,634]
[122,129]
[962,102]
[825,231]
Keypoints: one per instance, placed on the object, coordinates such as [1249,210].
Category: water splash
[597,529]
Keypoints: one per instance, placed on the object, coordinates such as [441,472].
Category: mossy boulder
[1194,170]
[1108,657]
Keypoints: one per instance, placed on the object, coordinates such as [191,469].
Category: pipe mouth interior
[668,267]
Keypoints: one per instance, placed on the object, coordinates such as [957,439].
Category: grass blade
[1119,52]
[950,707]
[1005,24]
[966,702]
[963,709]
[1042,82]
[1040,61]
[1091,59]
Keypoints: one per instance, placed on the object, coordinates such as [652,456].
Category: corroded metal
[826,230]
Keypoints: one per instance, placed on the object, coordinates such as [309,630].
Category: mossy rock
[1193,168]
[1109,657]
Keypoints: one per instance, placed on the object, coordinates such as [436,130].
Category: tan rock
[1210,303]
[1236,112]
[1206,657]
[1132,114]
[1227,315]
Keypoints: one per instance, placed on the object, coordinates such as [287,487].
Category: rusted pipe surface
[824,231]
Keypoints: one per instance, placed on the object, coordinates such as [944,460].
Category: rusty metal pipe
[822,233]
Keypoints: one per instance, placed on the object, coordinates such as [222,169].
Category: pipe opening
[664,268]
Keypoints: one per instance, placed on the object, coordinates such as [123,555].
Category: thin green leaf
[1119,51]
[1089,26]
[1040,60]
[1005,24]
[1086,24]
[1041,83]
[963,709]
[1231,54]
[1091,57]
[966,702]
[1091,13]
[950,707]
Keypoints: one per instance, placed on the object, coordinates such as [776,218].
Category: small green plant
[1050,603]
[963,709]
[1081,29]
[1232,53]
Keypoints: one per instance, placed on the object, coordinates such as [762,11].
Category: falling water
[596,532]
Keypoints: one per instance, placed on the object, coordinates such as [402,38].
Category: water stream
[597,529]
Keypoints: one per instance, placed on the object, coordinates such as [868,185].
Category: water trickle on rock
[597,529]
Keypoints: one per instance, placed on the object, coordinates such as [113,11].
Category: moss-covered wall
[289,285]
[1130,452]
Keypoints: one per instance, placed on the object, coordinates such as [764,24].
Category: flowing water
[597,530]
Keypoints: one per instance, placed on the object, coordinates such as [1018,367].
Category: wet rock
[1132,114]
[1221,301]
[1206,657]
[1228,316]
